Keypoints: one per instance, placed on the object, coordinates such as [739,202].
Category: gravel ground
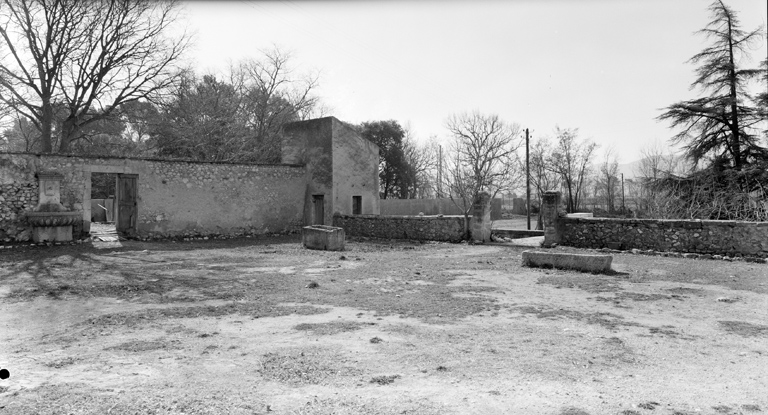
[261,325]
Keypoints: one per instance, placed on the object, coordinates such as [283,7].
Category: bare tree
[236,117]
[21,136]
[542,178]
[273,95]
[608,181]
[483,157]
[656,165]
[570,159]
[420,159]
[84,58]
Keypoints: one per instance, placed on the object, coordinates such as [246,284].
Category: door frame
[88,170]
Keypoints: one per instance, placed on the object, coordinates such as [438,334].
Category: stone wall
[427,228]
[706,237]
[311,143]
[15,199]
[175,198]
[355,171]
[340,165]
[730,238]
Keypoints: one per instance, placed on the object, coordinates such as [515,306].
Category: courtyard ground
[258,326]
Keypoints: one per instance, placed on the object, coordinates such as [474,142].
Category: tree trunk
[68,131]
[735,145]
[46,123]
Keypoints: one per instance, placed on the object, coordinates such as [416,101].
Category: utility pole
[527,182]
[440,173]
[623,208]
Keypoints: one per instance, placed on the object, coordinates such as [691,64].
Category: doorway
[318,209]
[103,195]
[113,205]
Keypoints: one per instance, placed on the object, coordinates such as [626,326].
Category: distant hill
[629,169]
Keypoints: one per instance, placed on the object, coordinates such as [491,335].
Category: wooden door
[318,210]
[127,205]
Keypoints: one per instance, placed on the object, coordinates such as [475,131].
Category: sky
[606,67]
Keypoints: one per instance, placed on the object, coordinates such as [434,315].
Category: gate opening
[103,204]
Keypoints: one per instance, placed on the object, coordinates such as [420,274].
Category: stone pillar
[481,218]
[550,202]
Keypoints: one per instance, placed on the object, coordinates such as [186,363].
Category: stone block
[323,237]
[578,262]
[517,233]
[580,215]
[52,233]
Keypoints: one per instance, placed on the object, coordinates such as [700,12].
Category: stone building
[327,168]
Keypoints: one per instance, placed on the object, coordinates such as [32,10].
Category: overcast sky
[605,67]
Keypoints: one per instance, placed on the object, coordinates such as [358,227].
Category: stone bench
[323,237]
[578,262]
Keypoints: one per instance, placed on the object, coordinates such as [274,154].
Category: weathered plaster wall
[310,143]
[340,164]
[427,228]
[695,236]
[174,197]
[202,198]
[355,171]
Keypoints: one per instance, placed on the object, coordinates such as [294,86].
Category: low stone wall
[431,228]
[696,236]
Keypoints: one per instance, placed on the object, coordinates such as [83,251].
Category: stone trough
[577,262]
[322,237]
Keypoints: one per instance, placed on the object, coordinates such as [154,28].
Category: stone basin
[323,237]
[42,219]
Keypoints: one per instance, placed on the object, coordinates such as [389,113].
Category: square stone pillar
[550,202]
[481,218]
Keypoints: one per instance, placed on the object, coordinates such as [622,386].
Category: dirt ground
[263,326]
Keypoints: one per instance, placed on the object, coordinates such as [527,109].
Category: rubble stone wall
[732,238]
[425,228]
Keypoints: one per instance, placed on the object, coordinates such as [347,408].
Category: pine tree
[721,126]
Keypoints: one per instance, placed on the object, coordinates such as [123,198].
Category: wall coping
[700,222]
[154,159]
[421,217]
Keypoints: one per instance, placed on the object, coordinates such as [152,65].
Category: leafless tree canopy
[570,159]
[66,64]
[607,182]
[237,116]
[482,157]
